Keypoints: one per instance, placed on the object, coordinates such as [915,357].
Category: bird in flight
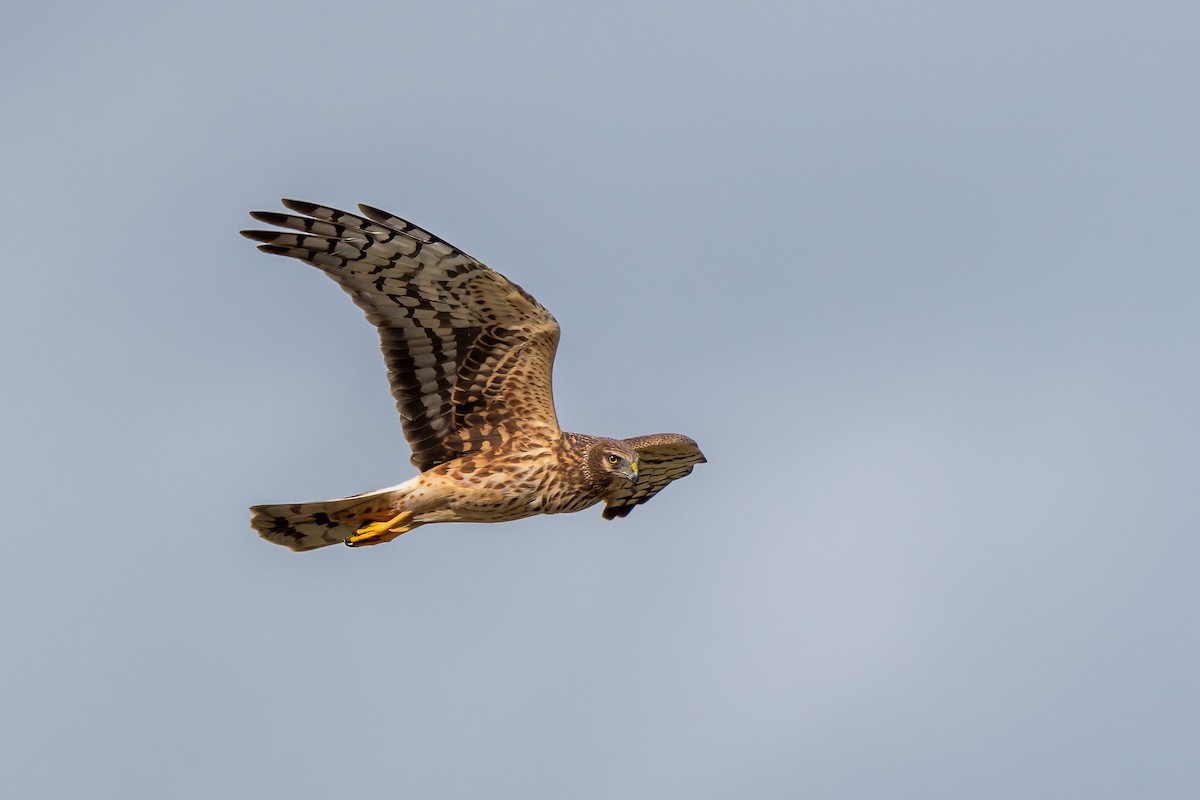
[469,357]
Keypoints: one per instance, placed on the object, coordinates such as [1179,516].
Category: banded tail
[307,526]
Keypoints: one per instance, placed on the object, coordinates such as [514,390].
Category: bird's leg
[380,532]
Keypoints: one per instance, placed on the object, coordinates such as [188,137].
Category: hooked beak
[632,474]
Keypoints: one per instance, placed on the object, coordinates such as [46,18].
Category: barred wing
[469,353]
[663,457]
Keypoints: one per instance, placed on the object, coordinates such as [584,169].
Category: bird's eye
[614,459]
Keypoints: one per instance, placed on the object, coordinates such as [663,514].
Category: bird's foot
[380,532]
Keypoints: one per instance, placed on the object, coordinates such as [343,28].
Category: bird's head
[614,460]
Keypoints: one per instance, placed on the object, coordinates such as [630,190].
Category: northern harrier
[469,357]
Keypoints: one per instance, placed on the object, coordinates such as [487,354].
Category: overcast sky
[921,279]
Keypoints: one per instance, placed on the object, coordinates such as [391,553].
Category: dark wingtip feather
[300,206]
[270,217]
[260,236]
[612,512]
[374,213]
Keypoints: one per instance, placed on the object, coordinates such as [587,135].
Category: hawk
[469,357]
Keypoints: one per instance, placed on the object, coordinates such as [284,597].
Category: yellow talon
[381,532]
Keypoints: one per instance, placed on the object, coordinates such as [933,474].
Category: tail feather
[307,526]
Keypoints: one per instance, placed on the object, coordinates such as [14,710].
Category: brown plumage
[469,357]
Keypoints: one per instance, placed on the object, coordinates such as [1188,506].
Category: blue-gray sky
[920,278]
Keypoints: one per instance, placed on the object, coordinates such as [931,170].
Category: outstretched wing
[469,353]
[663,457]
